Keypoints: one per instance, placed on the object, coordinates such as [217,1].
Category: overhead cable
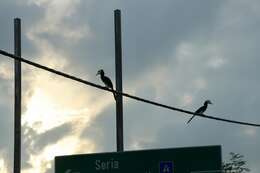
[63,74]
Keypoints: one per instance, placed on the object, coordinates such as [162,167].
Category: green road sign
[177,160]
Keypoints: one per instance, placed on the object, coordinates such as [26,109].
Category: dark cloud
[233,87]
[153,33]
[102,130]
[150,32]
[51,136]
[10,10]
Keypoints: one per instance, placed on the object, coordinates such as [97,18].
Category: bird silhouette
[201,110]
[106,80]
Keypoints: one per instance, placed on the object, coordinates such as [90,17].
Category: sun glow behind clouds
[51,102]
[42,112]
[3,168]
[42,161]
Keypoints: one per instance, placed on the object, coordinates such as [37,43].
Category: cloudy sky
[176,52]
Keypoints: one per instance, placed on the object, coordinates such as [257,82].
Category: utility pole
[119,100]
[17,96]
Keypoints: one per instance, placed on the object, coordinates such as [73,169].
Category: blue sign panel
[166,167]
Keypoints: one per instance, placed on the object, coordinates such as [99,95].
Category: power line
[124,94]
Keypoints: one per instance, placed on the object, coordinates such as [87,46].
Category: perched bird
[106,80]
[201,110]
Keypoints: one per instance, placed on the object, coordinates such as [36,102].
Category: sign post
[119,87]
[17,97]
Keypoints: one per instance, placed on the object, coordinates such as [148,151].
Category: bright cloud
[3,167]
[50,105]
[40,162]
[6,72]
[52,101]
[216,62]
[53,22]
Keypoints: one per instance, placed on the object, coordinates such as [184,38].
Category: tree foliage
[236,164]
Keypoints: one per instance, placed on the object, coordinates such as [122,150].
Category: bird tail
[115,96]
[190,119]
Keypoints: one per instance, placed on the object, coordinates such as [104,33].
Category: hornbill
[106,80]
[201,110]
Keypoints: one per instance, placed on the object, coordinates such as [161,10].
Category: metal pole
[119,100]
[17,96]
